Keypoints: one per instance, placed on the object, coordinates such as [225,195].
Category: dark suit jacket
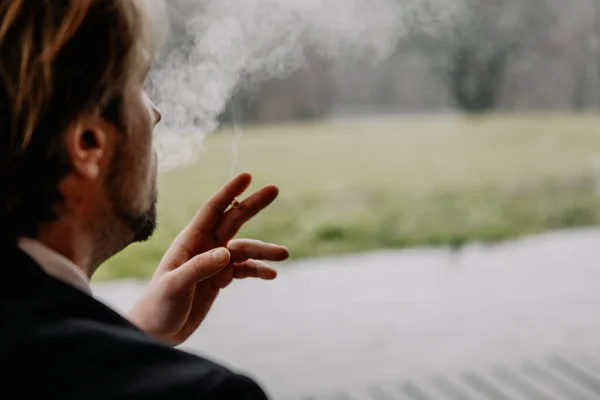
[58,342]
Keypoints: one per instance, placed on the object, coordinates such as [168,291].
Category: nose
[155,111]
[157,114]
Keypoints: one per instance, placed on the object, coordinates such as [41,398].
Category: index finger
[209,215]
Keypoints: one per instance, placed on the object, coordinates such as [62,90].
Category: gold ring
[234,203]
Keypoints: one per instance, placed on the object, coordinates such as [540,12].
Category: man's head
[75,122]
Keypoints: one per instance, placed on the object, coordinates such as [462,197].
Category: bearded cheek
[143,184]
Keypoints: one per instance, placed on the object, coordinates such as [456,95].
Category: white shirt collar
[55,264]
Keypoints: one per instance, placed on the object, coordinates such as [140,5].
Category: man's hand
[203,260]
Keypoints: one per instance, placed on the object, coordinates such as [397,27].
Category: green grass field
[391,183]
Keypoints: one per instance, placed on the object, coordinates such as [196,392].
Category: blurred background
[447,142]
[440,208]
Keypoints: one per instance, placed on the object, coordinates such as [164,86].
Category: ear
[86,147]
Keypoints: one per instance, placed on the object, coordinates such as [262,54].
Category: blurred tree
[476,77]
[594,45]
[500,54]
[487,37]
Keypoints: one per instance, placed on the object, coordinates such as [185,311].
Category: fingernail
[221,256]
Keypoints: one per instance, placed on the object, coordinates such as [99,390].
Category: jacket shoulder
[85,358]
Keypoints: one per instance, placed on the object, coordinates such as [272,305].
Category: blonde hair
[58,60]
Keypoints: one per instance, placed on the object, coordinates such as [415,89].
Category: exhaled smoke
[218,46]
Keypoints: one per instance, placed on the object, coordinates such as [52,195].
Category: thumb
[200,267]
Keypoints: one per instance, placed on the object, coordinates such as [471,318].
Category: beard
[122,225]
[141,223]
[137,225]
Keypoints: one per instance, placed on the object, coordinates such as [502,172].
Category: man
[78,184]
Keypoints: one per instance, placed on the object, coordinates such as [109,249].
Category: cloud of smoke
[219,46]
